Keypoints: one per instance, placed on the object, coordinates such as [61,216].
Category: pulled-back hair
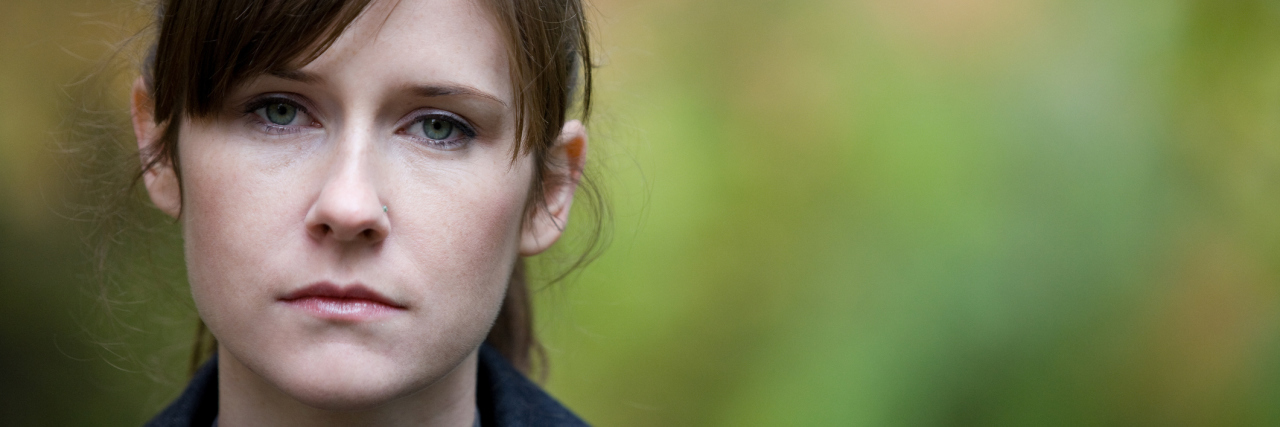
[204,49]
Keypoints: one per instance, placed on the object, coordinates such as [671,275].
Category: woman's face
[309,284]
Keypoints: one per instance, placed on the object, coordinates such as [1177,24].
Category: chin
[348,388]
[342,398]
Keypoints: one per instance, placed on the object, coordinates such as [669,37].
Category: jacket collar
[506,397]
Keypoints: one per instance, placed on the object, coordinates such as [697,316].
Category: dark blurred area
[872,212]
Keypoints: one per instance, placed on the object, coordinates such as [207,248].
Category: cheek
[240,222]
[466,228]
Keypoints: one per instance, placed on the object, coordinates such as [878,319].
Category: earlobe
[567,158]
[159,177]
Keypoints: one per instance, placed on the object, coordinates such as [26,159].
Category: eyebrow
[432,91]
[426,91]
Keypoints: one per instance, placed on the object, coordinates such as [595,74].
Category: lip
[351,303]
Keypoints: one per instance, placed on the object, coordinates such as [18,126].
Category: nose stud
[384,208]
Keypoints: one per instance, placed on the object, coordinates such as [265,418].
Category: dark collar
[198,404]
[504,397]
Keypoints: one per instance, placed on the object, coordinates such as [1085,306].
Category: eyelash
[468,133]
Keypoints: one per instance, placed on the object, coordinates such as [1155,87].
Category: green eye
[437,129]
[281,113]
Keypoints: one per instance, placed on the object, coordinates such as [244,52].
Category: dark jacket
[504,398]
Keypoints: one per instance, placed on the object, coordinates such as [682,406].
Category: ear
[567,158]
[160,178]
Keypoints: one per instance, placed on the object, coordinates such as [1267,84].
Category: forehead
[398,43]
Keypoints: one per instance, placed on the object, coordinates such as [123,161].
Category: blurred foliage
[870,212]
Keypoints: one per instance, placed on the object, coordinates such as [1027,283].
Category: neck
[245,398]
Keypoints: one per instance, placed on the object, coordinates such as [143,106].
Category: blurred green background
[850,212]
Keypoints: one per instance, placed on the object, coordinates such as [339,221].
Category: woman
[357,183]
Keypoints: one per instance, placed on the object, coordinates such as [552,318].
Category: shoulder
[507,398]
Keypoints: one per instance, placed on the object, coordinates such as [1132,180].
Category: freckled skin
[265,213]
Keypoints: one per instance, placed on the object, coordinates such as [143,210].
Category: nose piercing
[384,208]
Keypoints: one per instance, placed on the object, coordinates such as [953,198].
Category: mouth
[341,303]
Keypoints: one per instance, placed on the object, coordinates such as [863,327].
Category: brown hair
[205,48]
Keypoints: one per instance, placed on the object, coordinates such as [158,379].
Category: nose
[348,208]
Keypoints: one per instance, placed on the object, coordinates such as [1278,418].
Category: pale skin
[268,208]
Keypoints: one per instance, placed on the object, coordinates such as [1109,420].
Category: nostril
[345,227]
